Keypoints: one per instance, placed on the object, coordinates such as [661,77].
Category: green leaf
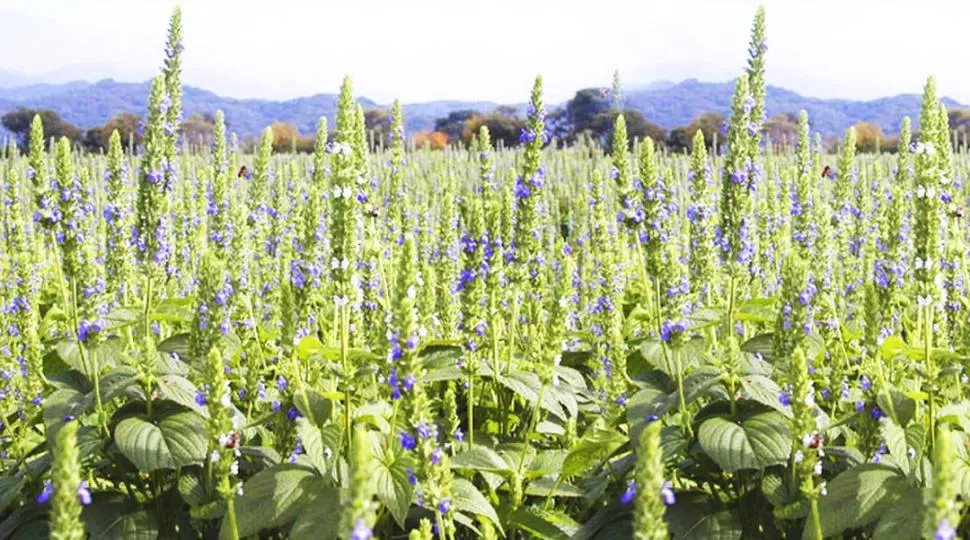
[111,516]
[467,498]
[527,386]
[178,344]
[480,458]
[64,402]
[118,381]
[904,519]
[10,487]
[312,404]
[597,444]
[106,353]
[176,440]
[313,447]
[544,486]
[535,523]
[272,498]
[765,391]
[760,440]
[320,517]
[393,488]
[860,496]
[697,516]
[904,407]
[180,390]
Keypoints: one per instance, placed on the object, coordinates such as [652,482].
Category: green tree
[97,138]
[681,138]
[55,127]
[453,125]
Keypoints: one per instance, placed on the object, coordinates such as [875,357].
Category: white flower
[945,180]
[239,490]
[234,468]
[215,456]
[818,468]
[920,192]
[412,294]
[224,439]
[824,490]
[226,400]
[799,456]
[361,180]
[337,192]
[931,191]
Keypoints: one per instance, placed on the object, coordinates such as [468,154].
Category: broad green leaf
[527,386]
[697,516]
[903,406]
[313,405]
[597,444]
[10,487]
[534,522]
[118,381]
[765,391]
[480,458]
[180,390]
[272,498]
[544,486]
[895,440]
[467,498]
[106,354]
[320,517]
[860,496]
[111,516]
[393,488]
[760,440]
[62,403]
[178,344]
[904,519]
[176,440]
[312,442]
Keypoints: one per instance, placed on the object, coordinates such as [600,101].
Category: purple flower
[459,435]
[200,399]
[436,456]
[630,493]
[444,506]
[83,493]
[865,383]
[667,493]
[944,531]
[361,531]
[413,480]
[407,441]
[784,399]
[45,495]
[424,431]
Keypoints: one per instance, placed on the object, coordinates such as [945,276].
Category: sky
[422,50]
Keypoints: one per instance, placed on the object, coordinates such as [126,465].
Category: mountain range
[667,104]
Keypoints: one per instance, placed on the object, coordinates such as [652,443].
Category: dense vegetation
[539,342]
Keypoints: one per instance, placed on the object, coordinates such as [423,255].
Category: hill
[667,104]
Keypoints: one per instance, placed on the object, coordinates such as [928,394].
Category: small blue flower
[630,493]
[944,531]
[413,480]
[784,399]
[83,493]
[361,531]
[408,441]
[45,495]
[444,506]
[668,494]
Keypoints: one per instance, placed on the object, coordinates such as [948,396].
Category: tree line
[588,115]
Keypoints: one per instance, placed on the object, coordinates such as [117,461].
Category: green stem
[816,520]
[231,517]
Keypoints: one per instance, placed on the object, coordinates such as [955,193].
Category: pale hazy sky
[421,50]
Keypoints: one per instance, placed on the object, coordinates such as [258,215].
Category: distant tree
[582,109]
[782,128]
[501,127]
[377,122]
[869,136]
[960,126]
[55,127]
[284,136]
[453,125]
[637,128]
[127,125]
[435,140]
[681,138]
[197,128]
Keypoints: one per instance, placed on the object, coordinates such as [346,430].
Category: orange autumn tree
[435,140]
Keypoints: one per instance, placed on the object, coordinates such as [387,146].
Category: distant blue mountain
[676,105]
[666,104]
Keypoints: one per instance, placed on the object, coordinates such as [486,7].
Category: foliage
[531,341]
[55,127]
